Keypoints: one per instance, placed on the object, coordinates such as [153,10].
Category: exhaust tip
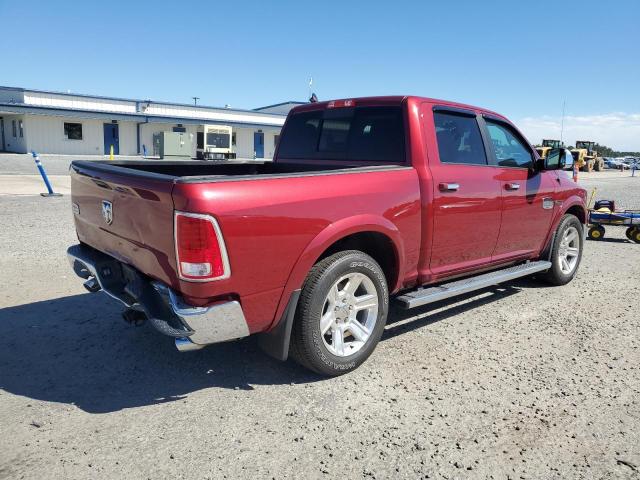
[92,285]
[183,344]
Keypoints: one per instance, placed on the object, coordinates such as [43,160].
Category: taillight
[200,251]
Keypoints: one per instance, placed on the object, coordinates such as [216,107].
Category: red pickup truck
[366,199]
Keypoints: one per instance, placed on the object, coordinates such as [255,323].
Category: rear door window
[459,139]
[360,134]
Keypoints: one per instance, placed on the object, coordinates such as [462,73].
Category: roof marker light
[341,103]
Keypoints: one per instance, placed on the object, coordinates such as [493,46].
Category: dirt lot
[522,381]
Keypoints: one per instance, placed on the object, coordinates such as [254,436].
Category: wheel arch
[374,235]
[575,206]
[577,210]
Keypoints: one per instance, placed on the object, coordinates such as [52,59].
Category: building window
[21,128]
[276,139]
[233,138]
[13,127]
[73,131]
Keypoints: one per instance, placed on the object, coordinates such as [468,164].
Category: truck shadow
[77,350]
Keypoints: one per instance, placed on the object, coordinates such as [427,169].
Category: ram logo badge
[107,212]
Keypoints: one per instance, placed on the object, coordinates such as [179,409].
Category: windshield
[363,134]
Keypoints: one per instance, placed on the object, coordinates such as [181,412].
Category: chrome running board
[427,295]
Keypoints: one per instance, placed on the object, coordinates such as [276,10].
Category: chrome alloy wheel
[349,314]
[569,250]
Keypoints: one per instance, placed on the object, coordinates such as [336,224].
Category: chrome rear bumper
[192,327]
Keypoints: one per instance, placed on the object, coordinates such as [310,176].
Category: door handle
[448,187]
[512,186]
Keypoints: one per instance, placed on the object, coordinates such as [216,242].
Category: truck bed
[205,171]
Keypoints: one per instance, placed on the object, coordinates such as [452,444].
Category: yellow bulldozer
[547,145]
[586,158]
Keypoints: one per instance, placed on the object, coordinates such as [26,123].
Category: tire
[596,232]
[629,233]
[635,235]
[558,274]
[325,295]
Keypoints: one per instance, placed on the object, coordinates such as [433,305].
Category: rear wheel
[566,252]
[629,232]
[596,232]
[341,313]
[635,235]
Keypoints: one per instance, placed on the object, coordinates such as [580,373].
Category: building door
[2,133]
[258,144]
[111,138]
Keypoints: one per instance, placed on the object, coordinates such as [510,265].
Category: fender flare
[320,243]
[572,201]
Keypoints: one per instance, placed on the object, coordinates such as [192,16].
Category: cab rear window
[360,134]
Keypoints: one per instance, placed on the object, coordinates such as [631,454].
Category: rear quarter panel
[270,225]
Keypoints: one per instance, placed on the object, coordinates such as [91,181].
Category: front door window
[509,149]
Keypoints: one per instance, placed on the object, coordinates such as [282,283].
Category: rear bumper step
[192,327]
[424,296]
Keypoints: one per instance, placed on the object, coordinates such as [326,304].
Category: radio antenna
[562,122]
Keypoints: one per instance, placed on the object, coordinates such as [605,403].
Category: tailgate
[126,214]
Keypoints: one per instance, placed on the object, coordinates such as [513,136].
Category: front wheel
[341,313]
[566,252]
[596,232]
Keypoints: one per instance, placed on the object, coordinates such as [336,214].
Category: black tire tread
[299,336]
[552,276]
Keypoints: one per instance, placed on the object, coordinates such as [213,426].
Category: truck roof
[391,100]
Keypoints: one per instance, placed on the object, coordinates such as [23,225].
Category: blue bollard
[50,193]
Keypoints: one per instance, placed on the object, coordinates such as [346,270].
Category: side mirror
[558,159]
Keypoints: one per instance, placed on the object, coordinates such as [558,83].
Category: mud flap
[275,342]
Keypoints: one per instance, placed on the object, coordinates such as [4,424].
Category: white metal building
[65,123]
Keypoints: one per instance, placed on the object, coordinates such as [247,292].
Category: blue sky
[521,59]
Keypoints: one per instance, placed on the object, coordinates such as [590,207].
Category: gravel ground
[23,164]
[522,381]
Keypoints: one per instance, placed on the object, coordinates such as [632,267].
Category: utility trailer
[604,213]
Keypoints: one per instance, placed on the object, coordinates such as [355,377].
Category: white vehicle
[213,142]
[622,162]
